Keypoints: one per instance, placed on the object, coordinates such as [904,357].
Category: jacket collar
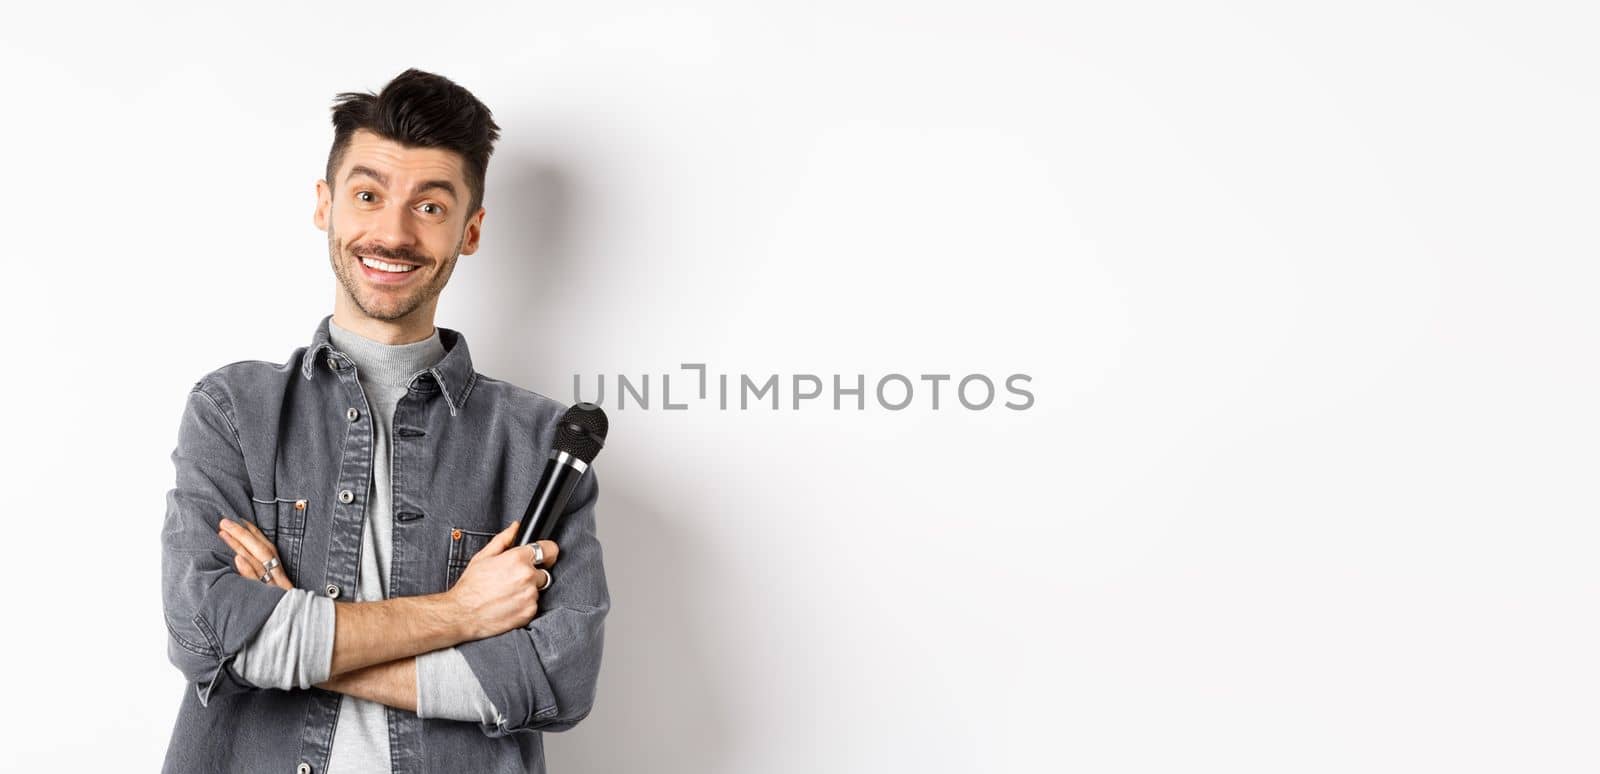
[453,373]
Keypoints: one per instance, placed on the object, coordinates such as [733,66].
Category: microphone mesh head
[582,431]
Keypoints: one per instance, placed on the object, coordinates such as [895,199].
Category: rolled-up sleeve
[447,689]
[294,649]
[211,611]
[543,676]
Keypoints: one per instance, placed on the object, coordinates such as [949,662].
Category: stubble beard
[344,267]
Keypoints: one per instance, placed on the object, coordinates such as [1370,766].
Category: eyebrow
[383,180]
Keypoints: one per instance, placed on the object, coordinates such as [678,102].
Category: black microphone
[579,437]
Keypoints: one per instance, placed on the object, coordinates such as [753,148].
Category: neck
[386,366]
[414,327]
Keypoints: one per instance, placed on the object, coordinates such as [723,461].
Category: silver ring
[269,566]
[538,554]
[548,579]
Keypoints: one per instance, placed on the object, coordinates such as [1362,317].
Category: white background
[1307,293]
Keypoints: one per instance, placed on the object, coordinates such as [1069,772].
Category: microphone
[579,438]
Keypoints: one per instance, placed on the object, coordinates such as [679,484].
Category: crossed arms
[541,675]
[295,648]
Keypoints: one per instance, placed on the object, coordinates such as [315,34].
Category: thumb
[502,540]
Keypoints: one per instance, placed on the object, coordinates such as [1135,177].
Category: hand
[251,550]
[499,589]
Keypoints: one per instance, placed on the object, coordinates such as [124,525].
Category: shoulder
[245,381]
[522,401]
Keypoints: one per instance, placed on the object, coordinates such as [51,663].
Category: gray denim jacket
[290,446]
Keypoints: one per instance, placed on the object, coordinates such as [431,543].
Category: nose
[393,227]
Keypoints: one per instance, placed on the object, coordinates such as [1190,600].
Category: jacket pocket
[283,521]
[464,544]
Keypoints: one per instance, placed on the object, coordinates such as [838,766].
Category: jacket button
[455,534]
[303,768]
[352,414]
[332,590]
[332,366]
[299,505]
[346,496]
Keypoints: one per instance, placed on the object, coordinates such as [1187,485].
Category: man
[338,579]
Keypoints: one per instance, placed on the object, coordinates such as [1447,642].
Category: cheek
[345,236]
[347,221]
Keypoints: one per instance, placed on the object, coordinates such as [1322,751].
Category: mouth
[387,272]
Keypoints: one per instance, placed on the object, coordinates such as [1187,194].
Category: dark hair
[424,110]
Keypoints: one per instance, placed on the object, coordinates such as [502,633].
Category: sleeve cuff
[294,648]
[447,688]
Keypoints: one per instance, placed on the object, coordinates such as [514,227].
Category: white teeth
[390,267]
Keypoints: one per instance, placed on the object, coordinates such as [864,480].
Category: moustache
[391,256]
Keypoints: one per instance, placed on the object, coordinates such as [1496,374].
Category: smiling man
[338,577]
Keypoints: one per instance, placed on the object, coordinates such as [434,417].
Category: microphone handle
[549,501]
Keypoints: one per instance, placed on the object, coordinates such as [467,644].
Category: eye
[437,210]
[360,195]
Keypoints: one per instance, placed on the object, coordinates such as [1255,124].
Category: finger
[501,541]
[239,547]
[538,578]
[252,569]
[280,574]
[258,547]
[249,568]
[233,543]
[257,539]
[551,552]
[542,573]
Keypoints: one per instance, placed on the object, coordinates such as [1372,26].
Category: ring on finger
[548,579]
[266,572]
[538,554]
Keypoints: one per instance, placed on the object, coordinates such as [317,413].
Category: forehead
[405,166]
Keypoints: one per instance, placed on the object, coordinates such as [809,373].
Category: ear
[474,229]
[324,204]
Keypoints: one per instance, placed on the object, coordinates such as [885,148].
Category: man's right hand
[499,589]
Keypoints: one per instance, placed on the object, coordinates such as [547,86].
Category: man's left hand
[251,550]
